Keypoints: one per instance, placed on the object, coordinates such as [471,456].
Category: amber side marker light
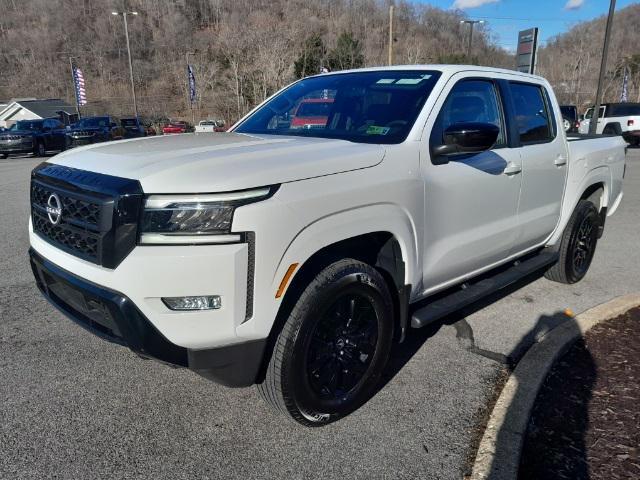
[285,279]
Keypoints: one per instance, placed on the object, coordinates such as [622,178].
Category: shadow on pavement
[500,470]
[566,459]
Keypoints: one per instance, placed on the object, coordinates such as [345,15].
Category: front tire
[40,151]
[3,155]
[333,347]
[578,245]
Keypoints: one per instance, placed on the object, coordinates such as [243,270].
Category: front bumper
[77,141]
[16,148]
[114,317]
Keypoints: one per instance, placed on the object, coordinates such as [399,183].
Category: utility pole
[75,91]
[390,34]
[193,117]
[593,123]
[471,25]
[126,34]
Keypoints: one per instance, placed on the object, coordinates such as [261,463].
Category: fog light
[208,302]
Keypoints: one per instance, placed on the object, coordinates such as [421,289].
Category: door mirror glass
[467,137]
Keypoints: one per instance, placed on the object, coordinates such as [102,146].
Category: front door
[471,202]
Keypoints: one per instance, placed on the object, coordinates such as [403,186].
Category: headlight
[195,219]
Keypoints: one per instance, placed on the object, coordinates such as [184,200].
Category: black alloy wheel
[342,347]
[578,244]
[335,342]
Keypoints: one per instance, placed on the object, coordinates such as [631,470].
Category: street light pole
[593,123]
[193,117]
[126,34]
[471,25]
[391,35]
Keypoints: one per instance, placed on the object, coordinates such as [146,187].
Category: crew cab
[175,127]
[616,119]
[293,258]
[210,126]
[133,128]
[94,130]
[33,136]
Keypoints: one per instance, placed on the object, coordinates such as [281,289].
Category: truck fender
[574,193]
[352,223]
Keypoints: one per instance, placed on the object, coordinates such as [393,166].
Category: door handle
[512,169]
[559,161]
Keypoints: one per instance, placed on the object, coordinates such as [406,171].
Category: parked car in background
[570,118]
[210,126]
[294,258]
[33,136]
[616,119]
[176,127]
[311,113]
[94,130]
[133,128]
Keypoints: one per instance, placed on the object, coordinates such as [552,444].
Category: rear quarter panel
[592,161]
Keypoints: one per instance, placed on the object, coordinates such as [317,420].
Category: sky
[506,17]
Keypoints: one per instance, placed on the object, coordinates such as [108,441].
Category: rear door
[544,159]
[471,202]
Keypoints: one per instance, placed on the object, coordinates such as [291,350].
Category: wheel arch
[380,249]
[596,183]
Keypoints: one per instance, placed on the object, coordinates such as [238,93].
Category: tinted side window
[532,116]
[471,101]
[623,110]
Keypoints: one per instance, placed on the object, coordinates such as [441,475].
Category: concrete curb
[498,455]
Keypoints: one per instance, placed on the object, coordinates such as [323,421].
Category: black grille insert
[99,213]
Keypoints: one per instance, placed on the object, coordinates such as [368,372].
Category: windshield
[366,107]
[34,125]
[93,122]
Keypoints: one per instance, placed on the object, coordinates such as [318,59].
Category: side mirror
[467,137]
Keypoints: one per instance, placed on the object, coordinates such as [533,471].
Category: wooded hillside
[571,62]
[245,49]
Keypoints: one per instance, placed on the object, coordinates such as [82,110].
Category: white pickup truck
[293,258]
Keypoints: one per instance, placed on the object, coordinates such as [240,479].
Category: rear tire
[333,347]
[577,246]
[3,155]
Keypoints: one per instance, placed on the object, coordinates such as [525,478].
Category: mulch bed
[586,420]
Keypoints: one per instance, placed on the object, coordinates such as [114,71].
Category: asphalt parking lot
[73,406]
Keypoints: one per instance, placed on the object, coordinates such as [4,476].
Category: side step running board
[472,292]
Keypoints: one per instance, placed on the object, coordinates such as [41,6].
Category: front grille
[72,207]
[84,243]
[98,214]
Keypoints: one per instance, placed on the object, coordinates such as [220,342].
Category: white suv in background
[616,119]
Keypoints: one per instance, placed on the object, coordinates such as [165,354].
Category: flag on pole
[624,96]
[192,84]
[78,80]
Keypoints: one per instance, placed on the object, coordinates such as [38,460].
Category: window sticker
[375,130]
[409,81]
[386,81]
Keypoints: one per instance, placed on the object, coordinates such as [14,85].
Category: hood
[201,163]
[8,133]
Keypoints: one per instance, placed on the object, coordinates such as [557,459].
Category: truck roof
[444,68]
